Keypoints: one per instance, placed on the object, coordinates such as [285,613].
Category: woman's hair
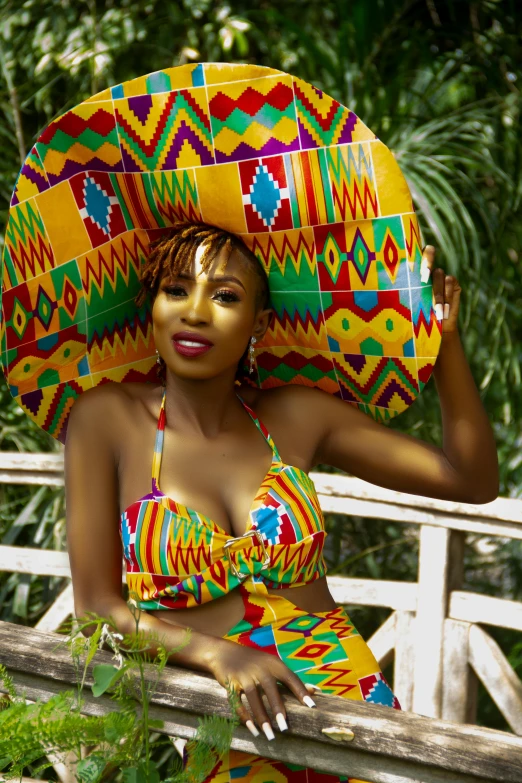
[175,253]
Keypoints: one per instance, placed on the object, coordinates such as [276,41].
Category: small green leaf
[156,723]
[134,775]
[90,769]
[104,675]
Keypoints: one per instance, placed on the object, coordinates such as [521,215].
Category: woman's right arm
[96,559]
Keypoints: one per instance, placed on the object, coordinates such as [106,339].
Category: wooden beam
[429,621]
[415,515]
[29,560]
[455,671]
[58,611]
[497,676]
[333,484]
[403,667]
[382,642]
[373,592]
[478,608]
[389,746]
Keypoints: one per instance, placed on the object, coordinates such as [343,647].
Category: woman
[195,535]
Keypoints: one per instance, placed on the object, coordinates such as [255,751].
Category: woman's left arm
[465,469]
[468,439]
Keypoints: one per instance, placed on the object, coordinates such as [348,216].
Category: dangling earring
[253,341]
[160,370]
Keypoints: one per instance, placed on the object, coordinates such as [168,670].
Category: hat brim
[308,187]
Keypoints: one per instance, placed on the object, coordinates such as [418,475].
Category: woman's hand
[446,291]
[253,671]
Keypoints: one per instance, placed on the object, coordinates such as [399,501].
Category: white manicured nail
[311,685]
[281,722]
[425,270]
[309,701]
[439,311]
[250,726]
[446,310]
[267,728]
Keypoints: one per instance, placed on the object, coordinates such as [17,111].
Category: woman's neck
[200,407]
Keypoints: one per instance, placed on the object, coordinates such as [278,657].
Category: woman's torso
[219,477]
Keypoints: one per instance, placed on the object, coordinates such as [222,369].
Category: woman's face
[203,321]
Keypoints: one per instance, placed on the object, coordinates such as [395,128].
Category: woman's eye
[174,290]
[228,296]
[223,295]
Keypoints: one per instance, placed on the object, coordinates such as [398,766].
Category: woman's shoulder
[111,405]
[289,403]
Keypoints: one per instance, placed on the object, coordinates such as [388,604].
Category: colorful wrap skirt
[323,648]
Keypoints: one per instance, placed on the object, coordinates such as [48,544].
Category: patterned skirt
[324,649]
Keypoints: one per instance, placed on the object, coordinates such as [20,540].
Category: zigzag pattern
[289,329]
[248,122]
[385,382]
[287,257]
[120,343]
[322,121]
[83,138]
[31,180]
[164,132]
[118,259]
[175,195]
[341,680]
[30,252]
[353,189]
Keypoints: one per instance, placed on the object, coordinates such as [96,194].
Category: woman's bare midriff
[217,617]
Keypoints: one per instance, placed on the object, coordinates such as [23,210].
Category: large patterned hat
[307,186]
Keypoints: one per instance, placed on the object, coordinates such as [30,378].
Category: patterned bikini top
[179,558]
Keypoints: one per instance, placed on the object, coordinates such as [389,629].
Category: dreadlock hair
[175,252]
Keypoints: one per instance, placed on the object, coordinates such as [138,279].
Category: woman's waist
[219,616]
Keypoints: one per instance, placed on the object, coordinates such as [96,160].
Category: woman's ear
[263,321]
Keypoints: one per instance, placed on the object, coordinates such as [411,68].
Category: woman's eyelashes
[224,294]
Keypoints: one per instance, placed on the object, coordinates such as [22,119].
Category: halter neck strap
[160,431]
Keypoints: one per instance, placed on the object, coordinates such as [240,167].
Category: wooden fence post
[404,659]
[429,621]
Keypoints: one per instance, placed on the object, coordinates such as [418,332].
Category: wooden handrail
[388,746]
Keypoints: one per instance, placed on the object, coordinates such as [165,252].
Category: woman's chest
[219,481]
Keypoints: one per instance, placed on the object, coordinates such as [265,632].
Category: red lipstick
[191,343]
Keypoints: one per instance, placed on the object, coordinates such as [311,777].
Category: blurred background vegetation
[439,82]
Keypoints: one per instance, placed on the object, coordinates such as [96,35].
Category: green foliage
[28,731]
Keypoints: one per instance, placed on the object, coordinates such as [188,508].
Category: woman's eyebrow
[215,279]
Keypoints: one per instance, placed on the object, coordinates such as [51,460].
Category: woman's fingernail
[309,701]
[439,311]
[424,270]
[281,722]
[446,310]
[267,728]
[250,726]
[311,685]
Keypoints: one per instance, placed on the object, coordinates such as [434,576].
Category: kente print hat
[306,185]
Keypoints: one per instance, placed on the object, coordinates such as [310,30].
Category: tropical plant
[121,738]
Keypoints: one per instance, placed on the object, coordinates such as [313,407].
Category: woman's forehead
[233,263]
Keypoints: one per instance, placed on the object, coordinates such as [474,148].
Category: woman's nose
[197,309]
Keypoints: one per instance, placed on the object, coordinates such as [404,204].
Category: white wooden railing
[434,634]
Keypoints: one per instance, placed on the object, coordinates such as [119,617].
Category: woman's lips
[190,347]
